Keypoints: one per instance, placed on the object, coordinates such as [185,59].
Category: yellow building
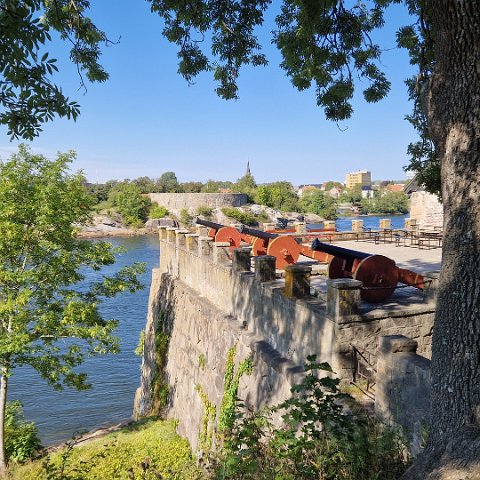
[362,177]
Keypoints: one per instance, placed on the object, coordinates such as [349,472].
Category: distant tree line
[129,199]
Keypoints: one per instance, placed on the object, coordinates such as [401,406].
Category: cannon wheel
[230,235]
[285,249]
[377,271]
[259,247]
[340,267]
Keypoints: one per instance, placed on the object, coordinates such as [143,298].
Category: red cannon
[379,274]
[285,248]
[221,233]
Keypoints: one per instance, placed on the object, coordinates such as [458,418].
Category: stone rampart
[403,388]
[179,201]
[426,209]
[205,306]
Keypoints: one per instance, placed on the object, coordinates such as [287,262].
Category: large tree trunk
[3,404]
[453,448]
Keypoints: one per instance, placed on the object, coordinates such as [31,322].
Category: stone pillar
[205,246]
[269,226]
[221,252]
[297,281]
[162,233]
[201,230]
[357,225]
[403,388]
[191,242]
[265,268]
[241,258]
[387,346]
[171,234]
[329,224]
[385,223]
[410,223]
[343,298]
[431,286]
[180,238]
[300,228]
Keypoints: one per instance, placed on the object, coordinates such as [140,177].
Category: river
[61,414]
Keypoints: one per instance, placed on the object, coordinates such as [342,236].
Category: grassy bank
[149,449]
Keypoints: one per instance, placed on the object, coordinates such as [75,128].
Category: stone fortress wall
[207,305]
[178,201]
[426,209]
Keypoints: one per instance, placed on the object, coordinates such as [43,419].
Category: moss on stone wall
[159,386]
[230,386]
[207,425]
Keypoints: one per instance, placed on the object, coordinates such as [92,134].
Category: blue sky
[146,120]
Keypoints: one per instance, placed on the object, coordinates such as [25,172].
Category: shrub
[157,211]
[205,211]
[239,216]
[185,216]
[131,204]
[316,440]
[21,437]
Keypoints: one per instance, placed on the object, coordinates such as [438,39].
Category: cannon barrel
[257,233]
[338,251]
[206,223]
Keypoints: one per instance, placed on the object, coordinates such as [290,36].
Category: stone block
[297,281]
[343,298]
[221,253]
[241,259]
[205,245]
[265,268]
[191,242]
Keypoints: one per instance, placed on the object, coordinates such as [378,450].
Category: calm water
[371,221]
[61,414]
[345,223]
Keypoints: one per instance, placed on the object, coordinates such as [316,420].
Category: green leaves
[29,96]
[46,320]
[233,43]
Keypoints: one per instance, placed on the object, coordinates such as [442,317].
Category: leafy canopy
[29,96]
[46,320]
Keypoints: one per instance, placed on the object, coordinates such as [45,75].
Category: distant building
[248,172]
[396,187]
[367,192]
[335,192]
[362,177]
[305,188]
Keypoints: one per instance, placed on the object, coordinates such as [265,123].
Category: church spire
[248,173]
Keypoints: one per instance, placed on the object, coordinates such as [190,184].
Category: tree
[131,204]
[278,195]
[352,195]
[317,202]
[28,96]
[191,187]
[167,183]
[247,185]
[327,44]
[386,202]
[145,184]
[46,320]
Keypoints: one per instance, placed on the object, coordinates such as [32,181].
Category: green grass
[149,449]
